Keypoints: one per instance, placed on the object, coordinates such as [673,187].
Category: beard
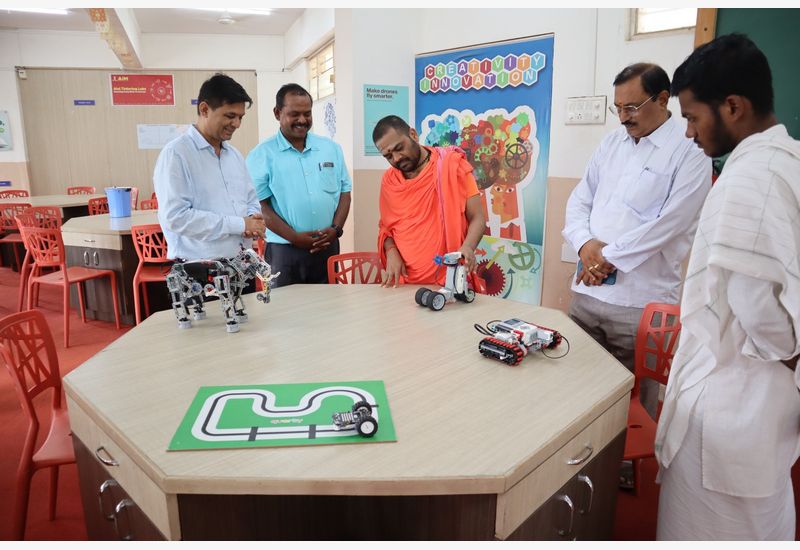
[721,140]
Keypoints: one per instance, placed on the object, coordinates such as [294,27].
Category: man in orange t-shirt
[429,204]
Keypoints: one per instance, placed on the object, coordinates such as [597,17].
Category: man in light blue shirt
[304,189]
[207,205]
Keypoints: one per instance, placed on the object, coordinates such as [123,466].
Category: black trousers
[299,266]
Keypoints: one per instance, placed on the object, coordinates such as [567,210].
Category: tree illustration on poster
[493,101]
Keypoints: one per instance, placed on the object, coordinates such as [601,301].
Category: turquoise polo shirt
[302,188]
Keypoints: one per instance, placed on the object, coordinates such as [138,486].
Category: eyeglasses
[630,110]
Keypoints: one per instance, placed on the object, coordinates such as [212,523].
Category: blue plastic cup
[119,201]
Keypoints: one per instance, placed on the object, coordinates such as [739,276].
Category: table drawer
[520,501]
[160,508]
[92,240]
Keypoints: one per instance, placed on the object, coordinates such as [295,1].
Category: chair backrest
[7,213]
[44,243]
[134,197]
[354,268]
[81,190]
[260,246]
[98,205]
[14,193]
[149,242]
[46,216]
[148,204]
[29,353]
[656,342]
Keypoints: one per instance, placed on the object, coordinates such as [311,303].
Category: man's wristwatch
[338,230]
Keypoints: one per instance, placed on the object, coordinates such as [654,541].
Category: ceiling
[161,20]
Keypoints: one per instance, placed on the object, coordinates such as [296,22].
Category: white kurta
[741,316]
[643,199]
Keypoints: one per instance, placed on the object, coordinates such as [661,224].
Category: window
[320,73]
[649,20]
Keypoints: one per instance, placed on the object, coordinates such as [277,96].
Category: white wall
[311,30]
[9,96]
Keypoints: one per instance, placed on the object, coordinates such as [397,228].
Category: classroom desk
[482,448]
[71,205]
[106,243]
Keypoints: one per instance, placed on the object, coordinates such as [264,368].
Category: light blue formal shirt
[303,188]
[203,198]
[644,200]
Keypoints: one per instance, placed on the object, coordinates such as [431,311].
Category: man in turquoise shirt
[304,189]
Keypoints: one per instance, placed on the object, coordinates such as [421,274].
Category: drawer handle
[124,503]
[106,484]
[89,240]
[96,257]
[85,257]
[585,479]
[583,457]
[568,502]
[107,461]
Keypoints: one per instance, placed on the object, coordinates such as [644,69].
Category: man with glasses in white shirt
[633,215]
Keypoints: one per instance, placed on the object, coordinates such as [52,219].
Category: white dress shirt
[741,317]
[203,198]
[643,200]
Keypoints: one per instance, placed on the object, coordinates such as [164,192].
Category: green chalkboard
[777,34]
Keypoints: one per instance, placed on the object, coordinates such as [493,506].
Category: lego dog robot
[189,282]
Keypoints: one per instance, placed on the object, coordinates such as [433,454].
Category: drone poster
[493,101]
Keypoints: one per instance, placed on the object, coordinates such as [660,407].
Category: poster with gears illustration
[493,102]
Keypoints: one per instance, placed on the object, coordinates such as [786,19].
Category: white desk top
[105,224]
[465,424]
[54,200]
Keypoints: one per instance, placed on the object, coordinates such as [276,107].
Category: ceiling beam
[119,30]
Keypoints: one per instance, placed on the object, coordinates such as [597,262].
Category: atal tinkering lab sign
[5,132]
[475,74]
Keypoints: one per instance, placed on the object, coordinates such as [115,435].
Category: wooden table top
[62,201]
[105,224]
[464,423]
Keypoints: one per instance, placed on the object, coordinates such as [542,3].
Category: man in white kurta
[729,430]
[634,213]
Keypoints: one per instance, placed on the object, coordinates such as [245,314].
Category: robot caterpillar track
[493,348]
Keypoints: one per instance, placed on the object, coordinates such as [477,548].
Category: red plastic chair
[148,204]
[354,268]
[151,247]
[29,353]
[98,205]
[153,195]
[8,226]
[38,216]
[656,343]
[81,190]
[14,193]
[134,197]
[47,249]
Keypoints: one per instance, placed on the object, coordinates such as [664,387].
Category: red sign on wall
[142,89]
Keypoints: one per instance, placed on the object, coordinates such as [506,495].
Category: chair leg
[53,492]
[146,300]
[21,501]
[136,307]
[637,475]
[82,302]
[23,279]
[31,285]
[66,314]
[114,295]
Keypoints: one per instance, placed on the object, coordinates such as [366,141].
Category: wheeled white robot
[359,417]
[509,341]
[226,278]
[455,286]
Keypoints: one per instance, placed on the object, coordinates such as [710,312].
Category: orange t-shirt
[421,224]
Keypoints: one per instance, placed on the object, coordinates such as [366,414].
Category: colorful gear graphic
[494,277]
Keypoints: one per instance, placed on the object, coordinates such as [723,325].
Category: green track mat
[279,415]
